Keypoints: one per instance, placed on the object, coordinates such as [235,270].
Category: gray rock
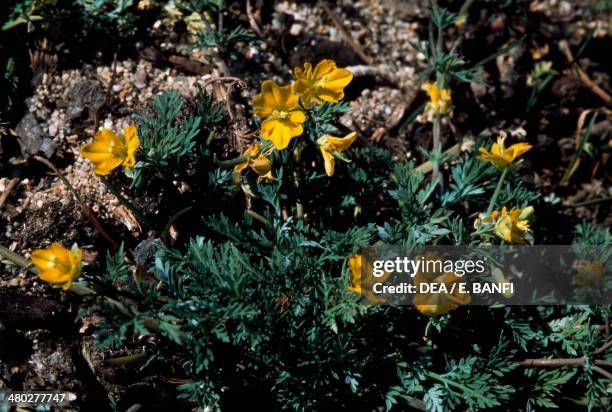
[86,97]
[140,79]
[31,138]
[48,147]
[144,253]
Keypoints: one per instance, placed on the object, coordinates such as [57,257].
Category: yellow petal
[338,79]
[329,161]
[54,277]
[342,143]
[329,95]
[96,157]
[518,149]
[526,213]
[104,168]
[250,152]
[261,165]
[266,102]
[132,144]
[106,152]
[110,139]
[300,86]
[277,93]
[280,132]
[57,264]
[291,100]
[297,116]
[354,264]
[324,67]
[241,166]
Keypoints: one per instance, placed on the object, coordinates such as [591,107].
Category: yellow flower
[195,23]
[355,262]
[588,273]
[58,265]
[460,20]
[109,151]
[259,163]
[512,225]
[440,101]
[325,83]
[331,147]
[501,156]
[281,109]
[435,304]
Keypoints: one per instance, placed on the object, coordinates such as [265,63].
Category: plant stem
[258,217]
[436,149]
[566,362]
[230,162]
[552,362]
[457,385]
[603,348]
[465,8]
[17,260]
[591,202]
[124,360]
[440,82]
[497,191]
[297,180]
[126,203]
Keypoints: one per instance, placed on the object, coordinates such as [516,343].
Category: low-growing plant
[264,302]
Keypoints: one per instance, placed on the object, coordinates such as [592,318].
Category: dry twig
[109,88]
[558,362]
[252,20]
[12,184]
[84,208]
[345,34]
[605,96]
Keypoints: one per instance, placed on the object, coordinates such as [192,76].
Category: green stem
[125,360]
[258,217]
[230,162]
[497,191]
[441,82]
[17,260]
[436,149]
[139,215]
[459,386]
[591,202]
[465,8]
[297,180]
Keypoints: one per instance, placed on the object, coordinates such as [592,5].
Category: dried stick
[345,34]
[252,20]
[570,362]
[107,94]
[234,81]
[12,184]
[17,260]
[84,208]
[603,372]
[605,96]
[603,348]
[552,362]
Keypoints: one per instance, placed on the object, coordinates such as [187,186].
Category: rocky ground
[41,345]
